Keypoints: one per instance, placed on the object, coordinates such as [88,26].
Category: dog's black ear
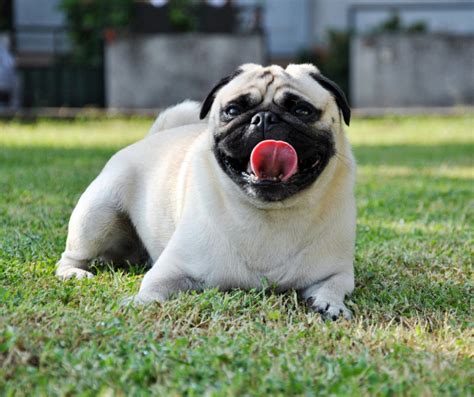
[206,105]
[338,94]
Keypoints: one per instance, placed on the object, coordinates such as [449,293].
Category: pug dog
[253,188]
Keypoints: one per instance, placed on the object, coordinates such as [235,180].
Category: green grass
[412,332]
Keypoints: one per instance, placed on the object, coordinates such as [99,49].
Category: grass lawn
[412,332]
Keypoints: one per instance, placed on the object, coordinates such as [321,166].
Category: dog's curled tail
[184,113]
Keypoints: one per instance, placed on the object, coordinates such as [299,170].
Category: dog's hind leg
[95,229]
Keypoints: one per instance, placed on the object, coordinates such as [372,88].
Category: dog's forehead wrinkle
[291,93]
[248,97]
[267,77]
[269,80]
[243,99]
[319,98]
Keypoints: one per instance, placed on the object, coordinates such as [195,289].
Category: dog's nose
[264,120]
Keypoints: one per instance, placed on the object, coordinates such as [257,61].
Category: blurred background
[138,55]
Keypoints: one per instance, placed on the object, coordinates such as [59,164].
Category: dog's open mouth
[274,169]
[272,162]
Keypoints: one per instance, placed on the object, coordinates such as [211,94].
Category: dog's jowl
[255,183]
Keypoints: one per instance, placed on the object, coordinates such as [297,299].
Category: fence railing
[56,82]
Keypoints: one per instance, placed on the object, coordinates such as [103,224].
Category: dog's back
[184,113]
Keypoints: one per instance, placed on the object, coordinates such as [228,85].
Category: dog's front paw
[70,272]
[142,299]
[329,310]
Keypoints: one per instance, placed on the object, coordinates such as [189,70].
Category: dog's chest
[275,258]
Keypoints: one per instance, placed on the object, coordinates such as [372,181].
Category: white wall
[412,70]
[139,76]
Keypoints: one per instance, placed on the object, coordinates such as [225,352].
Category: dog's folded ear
[206,105]
[338,94]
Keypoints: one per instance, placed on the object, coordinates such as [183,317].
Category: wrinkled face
[274,129]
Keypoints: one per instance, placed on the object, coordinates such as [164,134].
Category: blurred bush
[333,59]
[86,22]
[394,24]
[180,16]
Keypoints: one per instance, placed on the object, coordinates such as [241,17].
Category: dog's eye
[302,110]
[233,110]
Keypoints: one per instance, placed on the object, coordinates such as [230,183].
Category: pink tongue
[274,159]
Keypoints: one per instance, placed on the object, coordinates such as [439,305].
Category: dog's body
[169,196]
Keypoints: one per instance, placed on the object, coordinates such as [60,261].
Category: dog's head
[273,128]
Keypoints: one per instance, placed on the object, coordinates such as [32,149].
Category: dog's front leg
[327,296]
[166,277]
